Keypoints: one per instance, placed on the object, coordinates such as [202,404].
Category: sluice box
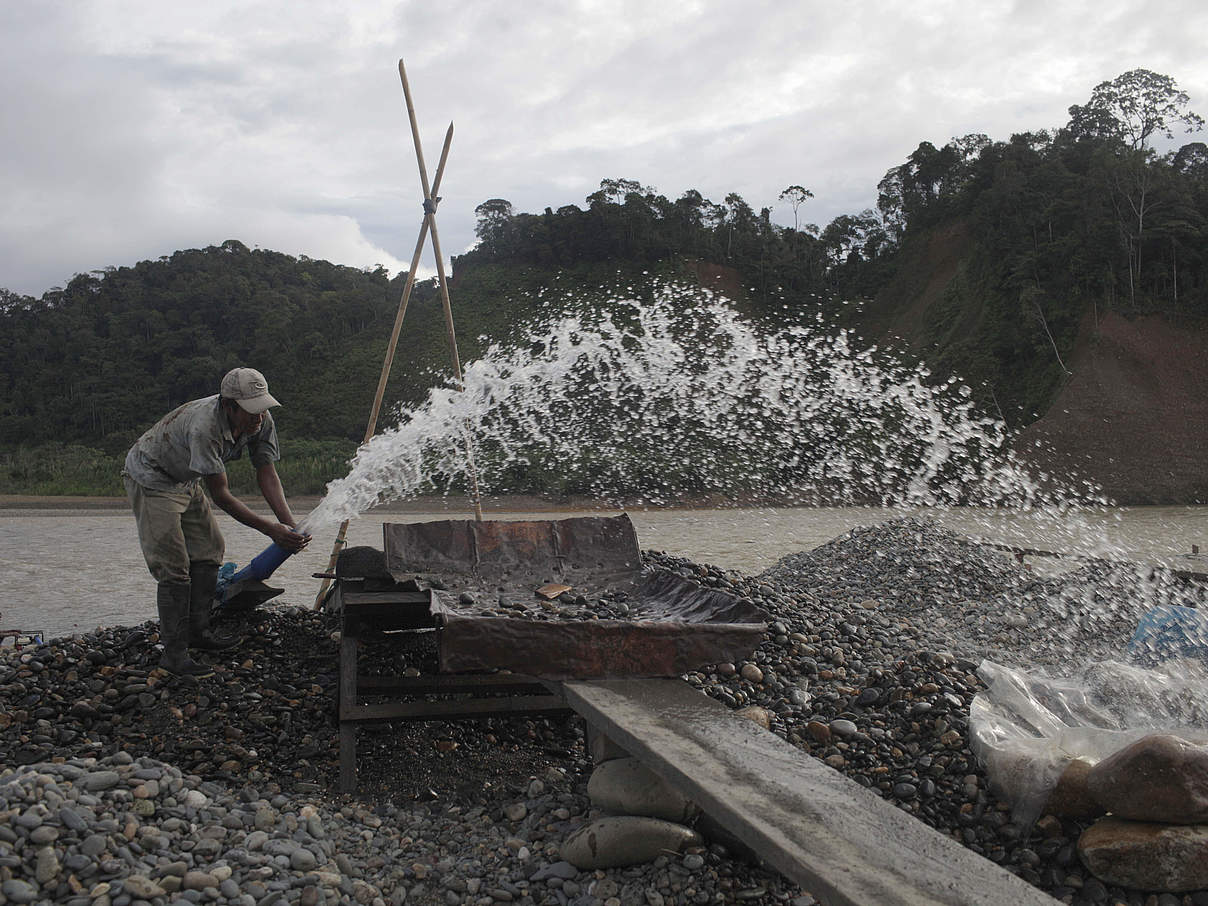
[552,599]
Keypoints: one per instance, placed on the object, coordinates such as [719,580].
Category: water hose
[264,564]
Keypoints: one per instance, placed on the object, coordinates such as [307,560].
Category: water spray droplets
[679,397]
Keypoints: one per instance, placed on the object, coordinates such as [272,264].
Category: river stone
[1072,798]
[46,868]
[843,728]
[101,780]
[29,820]
[751,673]
[624,786]
[83,710]
[221,872]
[142,888]
[1157,778]
[198,880]
[563,870]
[19,891]
[47,833]
[756,715]
[314,827]
[820,732]
[144,808]
[1146,856]
[94,844]
[302,859]
[618,841]
[72,820]
[265,818]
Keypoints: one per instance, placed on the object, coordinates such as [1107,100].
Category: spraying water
[679,397]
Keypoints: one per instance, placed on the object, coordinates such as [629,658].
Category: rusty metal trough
[673,626]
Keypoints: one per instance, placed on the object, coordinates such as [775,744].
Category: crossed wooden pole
[427,227]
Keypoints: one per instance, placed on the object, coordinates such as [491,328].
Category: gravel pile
[972,600]
[226,784]
[121,830]
[126,786]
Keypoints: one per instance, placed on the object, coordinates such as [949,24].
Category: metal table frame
[374,614]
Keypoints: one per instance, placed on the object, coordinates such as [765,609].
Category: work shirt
[193,441]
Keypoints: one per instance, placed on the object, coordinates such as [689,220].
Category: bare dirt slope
[1133,416]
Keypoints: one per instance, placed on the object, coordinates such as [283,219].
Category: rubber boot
[172,599]
[203,580]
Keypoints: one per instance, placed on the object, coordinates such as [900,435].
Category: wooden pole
[430,215]
[388,361]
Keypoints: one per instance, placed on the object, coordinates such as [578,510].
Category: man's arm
[274,494]
[284,535]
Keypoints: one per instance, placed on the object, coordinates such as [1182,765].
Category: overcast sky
[132,129]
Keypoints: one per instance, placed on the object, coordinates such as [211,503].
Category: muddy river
[67,569]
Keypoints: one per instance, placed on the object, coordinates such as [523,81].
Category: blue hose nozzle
[264,564]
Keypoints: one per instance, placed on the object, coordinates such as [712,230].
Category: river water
[65,571]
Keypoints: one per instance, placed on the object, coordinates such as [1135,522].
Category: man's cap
[249,389]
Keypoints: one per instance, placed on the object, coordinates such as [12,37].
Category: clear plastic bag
[1027,727]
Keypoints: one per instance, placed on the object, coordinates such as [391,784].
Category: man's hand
[286,537]
[281,533]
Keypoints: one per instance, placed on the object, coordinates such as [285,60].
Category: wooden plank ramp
[838,840]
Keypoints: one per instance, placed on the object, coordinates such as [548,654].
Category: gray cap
[248,388]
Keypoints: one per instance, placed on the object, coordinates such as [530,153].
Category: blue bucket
[1169,631]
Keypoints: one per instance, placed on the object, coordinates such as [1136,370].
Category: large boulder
[1072,798]
[623,786]
[1146,856]
[622,840]
[1157,778]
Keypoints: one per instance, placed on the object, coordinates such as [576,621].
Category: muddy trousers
[176,529]
[183,548]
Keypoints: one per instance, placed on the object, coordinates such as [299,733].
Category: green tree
[1132,107]
[615,191]
[796,196]
[494,216]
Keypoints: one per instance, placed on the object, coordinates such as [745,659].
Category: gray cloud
[135,128]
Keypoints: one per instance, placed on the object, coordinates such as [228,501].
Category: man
[177,531]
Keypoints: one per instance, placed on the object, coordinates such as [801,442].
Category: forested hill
[996,260]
